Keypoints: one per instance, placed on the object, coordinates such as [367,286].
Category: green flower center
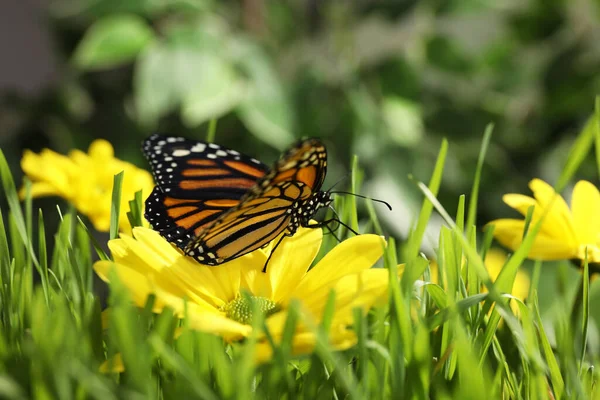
[240,309]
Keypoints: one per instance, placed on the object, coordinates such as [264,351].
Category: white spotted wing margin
[196,182]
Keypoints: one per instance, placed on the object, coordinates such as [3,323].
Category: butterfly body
[218,204]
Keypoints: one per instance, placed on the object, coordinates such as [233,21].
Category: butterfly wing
[196,183]
[270,207]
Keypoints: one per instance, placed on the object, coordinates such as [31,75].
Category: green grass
[431,340]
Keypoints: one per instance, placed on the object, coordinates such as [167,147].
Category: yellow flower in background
[217,297]
[565,233]
[86,180]
[494,261]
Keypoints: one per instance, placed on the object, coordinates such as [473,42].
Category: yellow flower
[565,234]
[86,180]
[494,261]
[217,299]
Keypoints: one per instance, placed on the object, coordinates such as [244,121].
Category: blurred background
[384,80]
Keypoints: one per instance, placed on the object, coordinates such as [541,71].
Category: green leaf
[558,384]
[487,136]
[437,294]
[115,205]
[173,360]
[217,90]
[180,72]
[585,310]
[112,41]
[577,153]
[597,131]
[266,109]
[134,215]
[155,89]
[416,236]
[404,121]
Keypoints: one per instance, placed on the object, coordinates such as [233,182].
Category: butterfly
[217,204]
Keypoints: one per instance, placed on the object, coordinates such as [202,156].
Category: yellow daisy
[86,180]
[565,233]
[147,263]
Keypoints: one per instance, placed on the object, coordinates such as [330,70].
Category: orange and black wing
[196,183]
[269,209]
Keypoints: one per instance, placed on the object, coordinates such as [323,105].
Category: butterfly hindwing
[196,183]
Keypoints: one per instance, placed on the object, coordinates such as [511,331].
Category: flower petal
[51,168]
[519,202]
[86,180]
[304,343]
[101,149]
[585,206]
[41,189]
[558,222]
[291,260]
[355,254]
[494,261]
[362,289]
[138,284]
[113,366]
[217,324]
[509,232]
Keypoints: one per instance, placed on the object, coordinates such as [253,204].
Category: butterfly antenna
[338,181]
[365,197]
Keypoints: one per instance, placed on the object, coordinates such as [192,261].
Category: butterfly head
[306,209]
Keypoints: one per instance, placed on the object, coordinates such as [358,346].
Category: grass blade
[115,205]
[472,213]
[416,236]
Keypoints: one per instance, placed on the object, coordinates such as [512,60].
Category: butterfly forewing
[271,207]
[196,183]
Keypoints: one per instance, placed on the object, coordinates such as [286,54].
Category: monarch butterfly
[218,204]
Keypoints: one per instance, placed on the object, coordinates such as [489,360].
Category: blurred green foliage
[384,80]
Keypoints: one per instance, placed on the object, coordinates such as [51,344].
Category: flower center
[240,309]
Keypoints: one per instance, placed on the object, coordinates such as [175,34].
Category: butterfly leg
[273,251]
[333,233]
[326,222]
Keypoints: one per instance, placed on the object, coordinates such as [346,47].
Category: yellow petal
[304,343]
[101,222]
[138,284]
[509,232]
[291,260]
[41,189]
[585,206]
[355,254]
[101,149]
[114,365]
[151,251]
[161,251]
[218,324]
[521,285]
[50,168]
[558,222]
[494,261]
[362,289]
[519,202]
[105,316]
